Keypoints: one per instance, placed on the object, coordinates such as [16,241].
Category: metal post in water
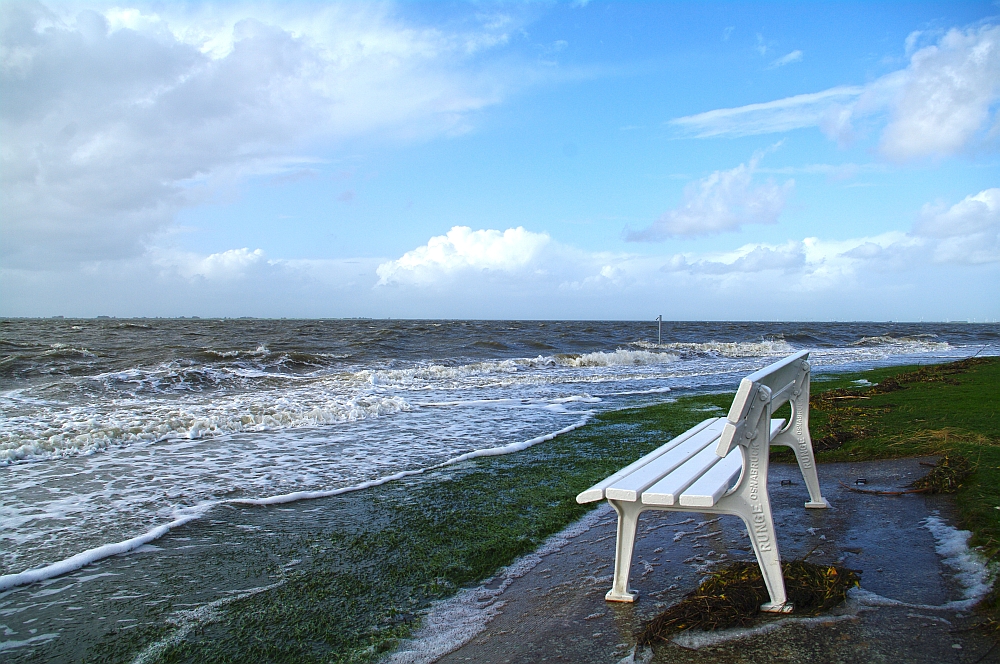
[659,330]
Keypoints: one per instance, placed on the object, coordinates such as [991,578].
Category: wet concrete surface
[557,612]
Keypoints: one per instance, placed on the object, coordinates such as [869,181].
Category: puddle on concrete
[560,614]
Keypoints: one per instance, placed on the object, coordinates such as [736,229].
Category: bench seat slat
[707,489]
[632,485]
[667,490]
[701,481]
[596,492]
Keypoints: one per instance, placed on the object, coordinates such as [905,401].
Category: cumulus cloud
[225,265]
[760,258]
[949,94]
[891,274]
[533,263]
[115,119]
[463,249]
[966,232]
[722,201]
[810,265]
[943,103]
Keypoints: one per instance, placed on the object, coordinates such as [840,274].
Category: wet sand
[557,612]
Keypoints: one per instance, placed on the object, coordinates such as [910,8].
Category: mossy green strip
[360,589]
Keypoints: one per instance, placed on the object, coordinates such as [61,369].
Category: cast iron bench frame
[720,467]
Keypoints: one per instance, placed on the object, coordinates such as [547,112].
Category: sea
[114,432]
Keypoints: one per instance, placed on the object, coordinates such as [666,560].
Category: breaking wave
[62,350]
[735,349]
[449,376]
[77,430]
[618,358]
[921,343]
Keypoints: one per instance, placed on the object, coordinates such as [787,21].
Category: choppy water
[111,428]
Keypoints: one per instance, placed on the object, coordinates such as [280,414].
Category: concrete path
[557,612]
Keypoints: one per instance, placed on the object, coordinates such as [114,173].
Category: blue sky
[501,160]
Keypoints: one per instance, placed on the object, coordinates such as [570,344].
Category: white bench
[720,466]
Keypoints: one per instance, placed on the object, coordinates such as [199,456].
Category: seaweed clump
[731,597]
[946,476]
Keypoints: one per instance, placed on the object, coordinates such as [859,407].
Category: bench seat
[720,466]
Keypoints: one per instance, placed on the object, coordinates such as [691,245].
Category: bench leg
[807,464]
[752,504]
[801,444]
[760,525]
[628,519]
[797,437]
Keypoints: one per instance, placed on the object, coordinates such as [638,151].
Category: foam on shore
[83,558]
[187,515]
[972,571]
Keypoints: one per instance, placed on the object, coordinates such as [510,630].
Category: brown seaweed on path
[731,597]
[946,476]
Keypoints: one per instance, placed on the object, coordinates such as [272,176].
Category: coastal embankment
[919,578]
[352,577]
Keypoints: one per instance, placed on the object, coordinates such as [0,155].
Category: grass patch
[948,410]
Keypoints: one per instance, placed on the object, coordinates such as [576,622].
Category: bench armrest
[756,399]
[761,391]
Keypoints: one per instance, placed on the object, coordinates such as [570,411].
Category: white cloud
[463,249]
[722,201]
[948,96]
[944,102]
[805,264]
[115,119]
[526,274]
[532,264]
[966,232]
[808,110]
[794,56]
[760,258]
[225,265]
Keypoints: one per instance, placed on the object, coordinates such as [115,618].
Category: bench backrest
[781,382]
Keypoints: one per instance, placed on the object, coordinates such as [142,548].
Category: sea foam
[731,349]
[85,430]
[186,515]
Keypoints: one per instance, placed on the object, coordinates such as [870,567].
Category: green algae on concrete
[357,590]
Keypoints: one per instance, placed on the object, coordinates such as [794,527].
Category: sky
[529,160]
